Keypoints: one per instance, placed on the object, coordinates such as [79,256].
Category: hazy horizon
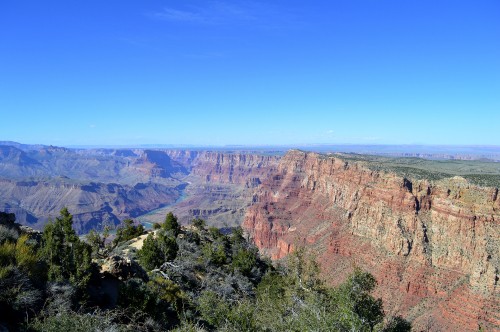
[251,73]
[404,150]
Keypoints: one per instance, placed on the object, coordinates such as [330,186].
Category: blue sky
[250,72]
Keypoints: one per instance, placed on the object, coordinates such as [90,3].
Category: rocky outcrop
[122,268]
[427,242]
[158,164]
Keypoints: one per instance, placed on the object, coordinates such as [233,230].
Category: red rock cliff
[234,168]
[221,184]
[433,246]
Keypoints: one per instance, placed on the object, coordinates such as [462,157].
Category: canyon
[429,233]
[433,246]
[103,186]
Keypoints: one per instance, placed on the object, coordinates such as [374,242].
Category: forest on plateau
[192,278]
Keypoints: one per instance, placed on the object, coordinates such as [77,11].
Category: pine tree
[67,257]
[151,255]
[171,224]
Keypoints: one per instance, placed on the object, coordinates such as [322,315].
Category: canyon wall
[220,185]
[92,204]
[432,245]
[107,185]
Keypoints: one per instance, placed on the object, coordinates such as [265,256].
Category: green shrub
[198,223]
[168,245]
[150,255]
[212,308]
[8,234]
[397,324]
[171,225]
[127,231]
[214,253]
[244,260]
[157,250]
[67,257]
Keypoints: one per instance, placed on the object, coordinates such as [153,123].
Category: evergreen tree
[127,231]
[150,255]
[171,224]
[168,245]
[67,257]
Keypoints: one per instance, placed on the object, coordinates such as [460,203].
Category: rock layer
[220,184]
[431,245]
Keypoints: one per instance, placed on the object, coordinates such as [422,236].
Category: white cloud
[252,13]
[171,14]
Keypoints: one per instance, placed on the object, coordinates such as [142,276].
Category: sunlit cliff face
[432,242]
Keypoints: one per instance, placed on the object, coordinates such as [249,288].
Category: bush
[244,260]
[215,233]
[18,295]
[67,257]
[8,234]
[397,324]
[215,253]
[212,309]
[198,223]
[171,225]
[156,299]
[168,292]
[150,255]
[74,322]
[127,231]
[168,245]
[156,251]
[134,293]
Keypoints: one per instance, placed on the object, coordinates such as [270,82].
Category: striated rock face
[235,168]
[220,184]
[433,246]
[157,164]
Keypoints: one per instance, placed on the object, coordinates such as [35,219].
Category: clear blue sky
[250,72]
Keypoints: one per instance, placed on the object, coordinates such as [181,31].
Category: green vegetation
[67,257]
[478,172]
[189,279]
[171,225]
[127,231]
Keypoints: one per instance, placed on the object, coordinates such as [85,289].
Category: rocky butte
[433,246]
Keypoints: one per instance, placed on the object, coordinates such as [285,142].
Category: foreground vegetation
[183,278]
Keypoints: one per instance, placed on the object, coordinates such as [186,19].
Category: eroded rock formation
[220,184]
[433,246]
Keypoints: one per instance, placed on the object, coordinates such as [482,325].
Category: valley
[428,230]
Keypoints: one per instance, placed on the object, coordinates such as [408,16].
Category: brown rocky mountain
[432,245]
